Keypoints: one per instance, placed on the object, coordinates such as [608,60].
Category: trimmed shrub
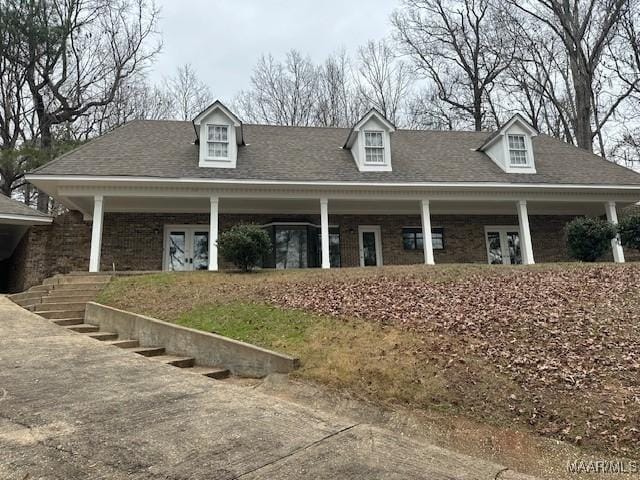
[244,245]
[589,238]
[629,229]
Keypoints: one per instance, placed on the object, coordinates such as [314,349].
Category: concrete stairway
[153,353]
[63,300]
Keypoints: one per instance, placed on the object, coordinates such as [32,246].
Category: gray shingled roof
[166,149]
[12,207]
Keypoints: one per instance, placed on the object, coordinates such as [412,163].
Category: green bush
[629,229]
[589,238]
[244,245]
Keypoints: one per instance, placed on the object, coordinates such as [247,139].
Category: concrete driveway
[73,408]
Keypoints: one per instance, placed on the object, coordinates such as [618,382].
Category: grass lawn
[552,349]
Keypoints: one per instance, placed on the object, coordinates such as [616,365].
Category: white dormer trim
[364,139]
[218,130]
[499,147]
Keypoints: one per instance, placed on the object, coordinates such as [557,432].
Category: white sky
[223,39]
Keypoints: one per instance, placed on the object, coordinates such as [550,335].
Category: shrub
[589,238]
[629,229]
[244,245]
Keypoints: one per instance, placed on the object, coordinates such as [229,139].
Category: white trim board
[524,186]
[22,219]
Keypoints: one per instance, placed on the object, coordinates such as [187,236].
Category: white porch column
[526,247]
[324,232]
[96,234]
[612,216]
[426,232]
[213,235]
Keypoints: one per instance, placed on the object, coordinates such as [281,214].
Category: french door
[503,245]
[186,248]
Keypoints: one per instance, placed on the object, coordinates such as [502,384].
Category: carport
[15,219]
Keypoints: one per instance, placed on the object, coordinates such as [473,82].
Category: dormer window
[511,147]
[218,136]
[517,151]
[218,141]
[374,147]
[370,142]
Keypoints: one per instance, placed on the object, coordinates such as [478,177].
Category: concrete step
[148,351]
[83,328]
[28,305]
[80,279]
[62,313]
[43,307]
[25,296]
[181,362]
[79,287]
[123,343]
[39,288]
[51,280]
[66,297]
[211,372]
[64,322]
[103,336]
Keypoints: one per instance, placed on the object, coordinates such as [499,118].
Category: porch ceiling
[336,207]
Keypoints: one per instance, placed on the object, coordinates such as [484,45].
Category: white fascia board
[217,105]
[24,219]
[67,179]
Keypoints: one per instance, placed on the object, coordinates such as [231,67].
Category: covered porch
[162,226]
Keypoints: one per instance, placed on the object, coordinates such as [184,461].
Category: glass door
[186,249]
[370,246]
[503,245]
[178,260]
[200,252]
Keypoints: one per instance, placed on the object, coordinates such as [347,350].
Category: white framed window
[374,147]
[218,141]
[518,151]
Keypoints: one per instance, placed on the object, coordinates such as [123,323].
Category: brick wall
[134,241]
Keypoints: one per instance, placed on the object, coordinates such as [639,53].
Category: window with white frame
[518,151]
[218,141]
[374,147]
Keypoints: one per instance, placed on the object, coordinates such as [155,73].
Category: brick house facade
[154,195]
[135,241]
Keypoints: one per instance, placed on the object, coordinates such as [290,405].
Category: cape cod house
[153,195]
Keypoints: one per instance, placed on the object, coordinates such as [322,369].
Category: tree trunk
[477,111]
[46,142]
[584,133]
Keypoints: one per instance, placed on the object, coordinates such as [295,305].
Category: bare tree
[458,46]
[383,80]
[587,29]
[338,103]
[75,54]
[282,93]
[189,94]
[426,110]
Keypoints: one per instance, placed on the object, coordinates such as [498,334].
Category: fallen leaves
[568,336]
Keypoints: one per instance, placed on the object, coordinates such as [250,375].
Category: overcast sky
[223,39]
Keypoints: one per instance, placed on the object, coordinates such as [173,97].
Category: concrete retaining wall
[208,349]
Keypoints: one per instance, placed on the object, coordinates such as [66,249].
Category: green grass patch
[259,324]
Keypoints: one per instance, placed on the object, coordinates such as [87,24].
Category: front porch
[333,233]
